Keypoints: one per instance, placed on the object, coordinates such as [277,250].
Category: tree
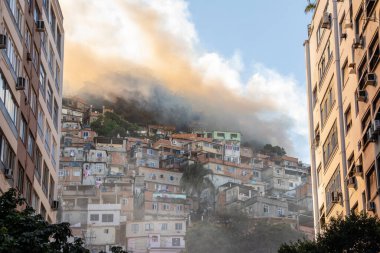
[268,149]
[195,180]
[356,233]
[21,230]
[310,6]
[112,125]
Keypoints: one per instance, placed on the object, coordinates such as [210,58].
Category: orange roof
[290,159]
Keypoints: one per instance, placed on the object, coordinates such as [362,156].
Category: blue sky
[268,32]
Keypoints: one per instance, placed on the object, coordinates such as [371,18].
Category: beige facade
[342,54]
[31,94]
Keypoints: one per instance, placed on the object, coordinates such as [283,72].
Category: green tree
[21,230]
[268,149]
[195,180]
[356,233]
[112,125]
[310,6]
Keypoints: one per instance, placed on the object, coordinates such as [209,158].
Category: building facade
[342,55]
[31,45]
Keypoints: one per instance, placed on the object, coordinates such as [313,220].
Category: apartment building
[31,45]
[342,55]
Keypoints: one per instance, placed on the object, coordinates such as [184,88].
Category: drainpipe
[343,167]
[311,139]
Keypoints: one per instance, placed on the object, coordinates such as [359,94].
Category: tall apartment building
[31,45]
[342,55]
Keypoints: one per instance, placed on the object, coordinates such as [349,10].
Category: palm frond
[310,6]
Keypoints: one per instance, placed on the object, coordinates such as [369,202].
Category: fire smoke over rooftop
[145,55]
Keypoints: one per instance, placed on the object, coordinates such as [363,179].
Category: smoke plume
[144,56]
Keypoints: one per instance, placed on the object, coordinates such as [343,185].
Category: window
[6,154]
[345,73]
[45,180]
[20,179]
[13,56]
[176,241]
[221,135]
[319,174]
[28,192]
[23,129]
[35,55]
[16,12]
[266,209]
[256,173]
[280,212]
[51,189]
[53,152]
[47,138]
[31,145]
[371,184]
[42,80]
[94,217]
[178,226]
[33,101]
[324,62]
[40,121]
[57,76]
[43,41]
[166,207]
[218,167]
[52,21]
[36,13]
[291,184]
[348,119]
[330,145]
[38,165]
[164,226]
[28,39]
[333,186]
[234,136]
[35,201]
[46,6]
[49,99]
[107,217]
[327,103]
[51,58]
[154,206]
[149,227]
[135,228]
[59,42]
[315,98]
[7,98]
[179,208]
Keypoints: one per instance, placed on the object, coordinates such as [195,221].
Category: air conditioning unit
[358,170]
[335,198]
[361,95]
[28,56]
[371,136]
[20,84]
[54,204]
[351,182]
[348,24]
[343,36]
[3,41]
[326,21]
[317,139]
[376,126]
[40,26]
[358,41]
[370,79]
[371,206]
